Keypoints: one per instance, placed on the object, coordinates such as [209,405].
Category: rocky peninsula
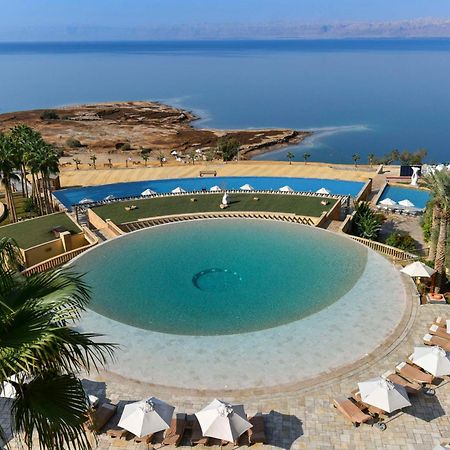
[126,128]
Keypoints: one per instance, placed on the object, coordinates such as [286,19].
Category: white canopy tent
[146,417]
[286,189]
[178,190]
[221,420]
[387,202]
[215,189]
[432,359]
[384,394]
[418,269]
[84,201]
[322,190]
[406,203]
[148,192]
[109,197]
[247,187]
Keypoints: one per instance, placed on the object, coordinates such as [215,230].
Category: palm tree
[161,158]
[290,156]
[356,158]
[40,353]
[7,166]
[145,155]
[306,156]
[371,159]
[439,184]
[93,158]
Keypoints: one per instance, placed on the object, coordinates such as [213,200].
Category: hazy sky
[126,13]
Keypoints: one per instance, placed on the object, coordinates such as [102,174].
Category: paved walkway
[89,177]
[305,419]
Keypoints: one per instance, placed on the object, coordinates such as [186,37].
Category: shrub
[366,223]
[402,240]
[74,143]
[28,205]
[228,148]
[427,223]
[49,115]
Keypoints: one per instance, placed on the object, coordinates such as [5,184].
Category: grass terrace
[39,230]
[165,206]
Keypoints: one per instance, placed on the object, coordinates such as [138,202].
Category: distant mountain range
[418,28]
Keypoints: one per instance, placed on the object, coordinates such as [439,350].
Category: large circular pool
[211,304]
[220,276]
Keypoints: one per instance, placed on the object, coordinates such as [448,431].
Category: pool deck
[91,177]
[304,418]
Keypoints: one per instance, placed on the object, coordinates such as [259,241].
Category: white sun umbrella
[322,190]
[286,189]
[178,190]
[215,189]
[406,203]
[174,153]
[383,394]
[146,417]
[247,187]
[7,390]
[432,359]
[109,197]
[418,269]
[221,420]
[387,202]
[85,201]
[148,192]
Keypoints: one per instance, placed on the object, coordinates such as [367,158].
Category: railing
[384,249]
[151,222]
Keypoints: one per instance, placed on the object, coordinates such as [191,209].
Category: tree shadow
[5,417]
[282,430]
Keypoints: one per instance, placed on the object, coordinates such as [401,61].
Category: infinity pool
[238,304]
[69,197]
[220,276]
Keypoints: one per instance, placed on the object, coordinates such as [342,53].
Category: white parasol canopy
[286,189]
[146,417]
[322,190]
[418,269]
[387,202]
[221,420]
[85,201]
[109,197]
[148,192]
[432,359]
[174,153]
[247,187]
[406,203]
[178,190]
[7,390]
[383,394]
[215,189]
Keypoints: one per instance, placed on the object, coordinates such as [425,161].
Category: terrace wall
[365,191]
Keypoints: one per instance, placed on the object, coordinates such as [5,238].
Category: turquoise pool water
[397,193]
[220,277]
[69,197]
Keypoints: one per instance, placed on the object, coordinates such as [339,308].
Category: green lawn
[39,230]
[162,206]
[19,201]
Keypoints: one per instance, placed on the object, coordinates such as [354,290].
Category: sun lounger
[436,330]
[349,409]
[101,416]
[117,433]
[174,434]
[441,321]
[257,434]
[373,410]
[144,439]
[411,387]
[414,373]
[428,339]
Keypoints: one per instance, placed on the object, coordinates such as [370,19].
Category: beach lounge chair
[257,434]
[117,433]
[99,417]
[144,439]
[428,339]
[414,373]
[349,409]
[372,410]
[174,434]
[412,387]
[440,321]
[436,330]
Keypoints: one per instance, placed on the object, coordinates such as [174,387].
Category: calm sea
[365,96]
